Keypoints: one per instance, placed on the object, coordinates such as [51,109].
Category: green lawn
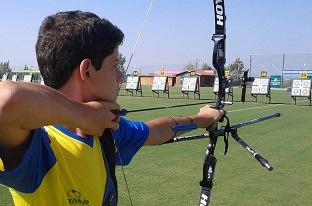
[170,174]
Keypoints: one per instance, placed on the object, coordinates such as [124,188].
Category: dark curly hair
[66,38]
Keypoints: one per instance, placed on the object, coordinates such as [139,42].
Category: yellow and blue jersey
[62,168]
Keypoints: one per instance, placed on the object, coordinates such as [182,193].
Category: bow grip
[215,125]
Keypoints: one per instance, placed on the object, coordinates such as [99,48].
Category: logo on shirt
[75,198]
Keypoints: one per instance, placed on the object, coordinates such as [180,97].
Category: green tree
[236,68]
[4,68]
[192,65]
[121,64]
[205,66]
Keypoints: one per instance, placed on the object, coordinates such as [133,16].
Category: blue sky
[177,31]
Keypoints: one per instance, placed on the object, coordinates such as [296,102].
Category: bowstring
[138,37]
[133,52]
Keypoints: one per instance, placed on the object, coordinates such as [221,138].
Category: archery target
[296,83]
[159,83]
[255,89]
[216,88]
[301,88]
[264,82]
[263,90]
[216,85]
[27,78]
[189,84]
[260,86]
[305,92]
[295,91]
[132,82]
[14,78]
[4,77]
[306,83]
[216,80]
[256,81]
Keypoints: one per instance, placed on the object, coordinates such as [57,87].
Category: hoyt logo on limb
[203,200]
[219,12]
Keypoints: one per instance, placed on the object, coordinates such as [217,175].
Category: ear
[85,69]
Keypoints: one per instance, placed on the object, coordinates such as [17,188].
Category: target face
[260,86]
[255,90]
[305,92]
[264,81]
[14,78]
[301,88]
[159,83]
[295,91]
[296,83]
[257,81]
[132,82]
[306,83]
[216,85]
[27,78]
[263,90]
[189,84]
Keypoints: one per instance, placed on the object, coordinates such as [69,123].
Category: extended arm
[160,130]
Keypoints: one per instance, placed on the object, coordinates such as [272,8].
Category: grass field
[170,174]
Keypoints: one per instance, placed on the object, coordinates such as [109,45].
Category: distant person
[56,141]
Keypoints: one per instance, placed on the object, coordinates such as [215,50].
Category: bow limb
[218,58]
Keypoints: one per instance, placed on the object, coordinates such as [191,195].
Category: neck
[72,91]
[77,131]
[73,88]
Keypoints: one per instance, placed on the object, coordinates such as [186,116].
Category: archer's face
[105,84]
